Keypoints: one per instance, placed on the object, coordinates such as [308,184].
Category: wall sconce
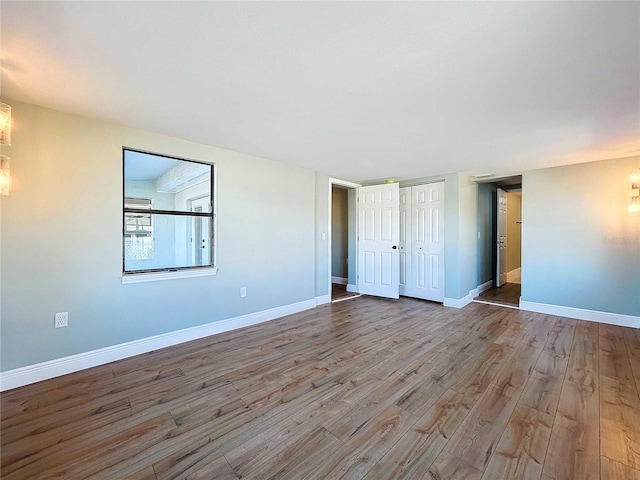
[5,178]
[5,124]
[634,206]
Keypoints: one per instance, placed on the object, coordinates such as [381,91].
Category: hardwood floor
[368,389]
[339,292]
[507,294]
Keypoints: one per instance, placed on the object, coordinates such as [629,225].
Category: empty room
[320,240]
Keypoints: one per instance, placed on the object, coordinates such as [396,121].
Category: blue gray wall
[61,245]
[580,247]
[62,239]
[322,273]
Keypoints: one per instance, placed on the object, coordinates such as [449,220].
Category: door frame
[509,183]
[350,185]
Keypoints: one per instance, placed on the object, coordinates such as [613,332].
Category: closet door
[427,241]
[378,227]
[405,242]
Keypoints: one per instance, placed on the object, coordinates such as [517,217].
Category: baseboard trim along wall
[461,302]
[322,299]
[485,286]
[339,280]
[62,366]
[582,314]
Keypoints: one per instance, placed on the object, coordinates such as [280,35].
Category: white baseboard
[339,280]
[461,302]
[582,314]
[352,288]
[62,366]
[322,299]
[485,286]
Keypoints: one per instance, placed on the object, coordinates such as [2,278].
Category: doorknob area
[394,247]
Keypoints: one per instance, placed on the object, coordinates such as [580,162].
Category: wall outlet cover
[61,319]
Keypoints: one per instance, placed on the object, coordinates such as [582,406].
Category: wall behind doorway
[486,224]
[339,232]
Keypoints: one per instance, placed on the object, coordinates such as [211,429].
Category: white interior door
[200,232]
[378,236]
[427,241]
[404,244]
[501,238]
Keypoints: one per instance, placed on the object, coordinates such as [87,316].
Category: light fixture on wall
[5,124]
[634,206]
[5,178]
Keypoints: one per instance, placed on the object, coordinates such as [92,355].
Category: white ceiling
[358,90]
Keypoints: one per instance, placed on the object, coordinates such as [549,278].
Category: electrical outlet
[61,319]
[243,292]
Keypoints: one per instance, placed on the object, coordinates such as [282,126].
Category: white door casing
[378,238]
[501,238]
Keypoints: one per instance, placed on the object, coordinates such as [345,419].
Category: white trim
[485,286]
[322,299]
[582,314]
[343,183]
[461,302]
[339,280]
[159,276]
[73,363]
[417,183]
[495,304]
[345,298]
[352,288]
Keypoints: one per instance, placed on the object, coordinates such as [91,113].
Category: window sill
[159,276]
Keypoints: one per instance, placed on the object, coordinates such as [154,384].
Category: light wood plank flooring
[368,389]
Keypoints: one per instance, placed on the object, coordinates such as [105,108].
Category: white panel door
[427,241]
[501,236]
[404,245]
[378,235]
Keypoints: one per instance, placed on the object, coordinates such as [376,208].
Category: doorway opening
[342,241]
[505,286]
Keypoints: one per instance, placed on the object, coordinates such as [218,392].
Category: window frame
[154,274]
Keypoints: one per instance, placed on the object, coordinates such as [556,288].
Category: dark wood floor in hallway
[368,389]
[507,294]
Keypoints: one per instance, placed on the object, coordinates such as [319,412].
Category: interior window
[167,213]
[138,231]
